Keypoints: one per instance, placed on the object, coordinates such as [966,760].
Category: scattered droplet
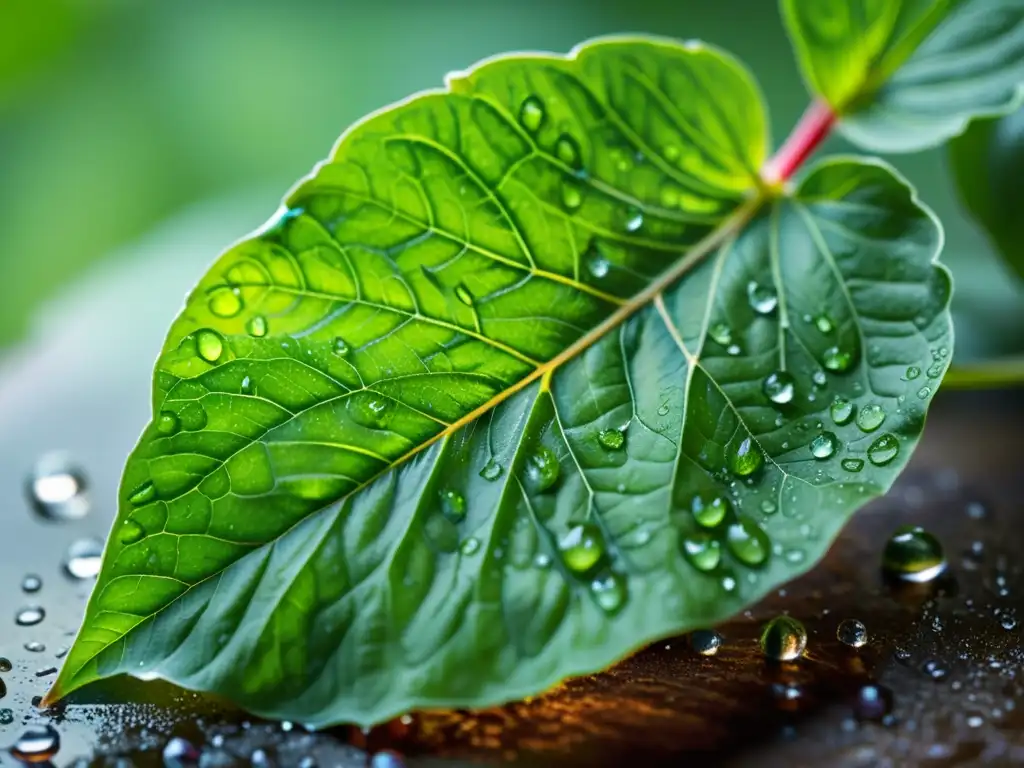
[824,446]
[609,592]
[34,646]
[748,542]
[913,554]
[167,423]
[463,294]
[225,302]
[702,551]
[634,220]
[783,639]
[582,548]
[83,559]
[612,439]
[453,505]
[340,347]
[870,417]
[763,299]
[745,457]
[706,642]
[852,633]
[29,616]
[531,114]
[57,489]
[824,324]
[567,149]
[542,468]
[470,546]
[779,387]
[841,411]
[852,465]
[131,532]
[721,333]
[837,360]
[873,702]
[209,345]
[934,670]
[180,753]
[597,265]
[912,373]
[819,378]
[572,198]
[31,583]
[143,494]
[883,450]
[491,470]
[257,326]
[924,393]
[5,664]
[709,512]
[38,744]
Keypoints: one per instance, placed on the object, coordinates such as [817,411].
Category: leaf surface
[904,75]
[529,373]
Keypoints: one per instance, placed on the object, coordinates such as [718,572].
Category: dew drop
[572,198]
[783,639]
[612,439]
[873,702]
[841,411]
[924,393]
[38,744]
[768,507]
[57,489]
[257,326]
[225,302]
[913,554]
[824,324]
[31,584]
[340,346]
[709,512]
[582,548]
[34,646]
[246,387]
[491,470]
[912,373]
[884,449]
[531,114]
[634,220]
[131,532]
[180,753]
[818,377]
[721,333]
[143,494]
[609,592]
[852,465]
[462,294]
[567,149]
[597,265]
[29,616]
[824,446]
[453,505]
[167,423]
[470,546]
[852,633]
[837,360]
[702,551]
[763,299]
[542,469]
[779,387]
[83,558]
[745,457]
[209,345]
[870,417]
[748,542]
[706,642]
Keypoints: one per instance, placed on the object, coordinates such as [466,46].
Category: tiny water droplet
[225,302]
[29,616]
[870,417]
[852,465]
[762,298]
[745,457]
[180,753]
[57,489]
[634,220]
[340,347]
[819,379]
[257,326]
[841,411]
[733,349]
[37,744]
[721,333]
[768,507]
[470,546]
[209,345]
[453,505]
[748,542]
[783,639]
[567,149]
[531,114]
[709,512]
[837,360]
[703,551]
[824,446]
[597,265]
[913,554]
[883,450]
[824,324]
[34,646]
[572,198]
[582,548]
[143,494]
[167,423]
[852,633]
[31,583]
[873,702]
[83,558]
[542,469]
[912,373]
[462,294]
[612,439]
[924,393]
[706,642]
[491,470]
[779,387]
[609,592]
[131,532]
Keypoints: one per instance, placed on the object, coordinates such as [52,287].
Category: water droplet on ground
[387,758]
[257,326]
[783,639]
[542,469]
[57,489]
[779,387]
[582,548]
[612,439]
[913,554]
[709,512]
[747,542]
[82,559]
[852,633]
[824,446]
[209,345]
[762,298]
[883,450]
[31,583]
[531,114]
[37,744]
[702,551]
[29,616]
[934,670]
[34,646]
[491,470]
[180,753]
[870,417]
[745,457]
[5,664]
[706,642]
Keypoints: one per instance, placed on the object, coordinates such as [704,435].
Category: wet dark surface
[949,652]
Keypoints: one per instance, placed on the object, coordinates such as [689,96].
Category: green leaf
[904,75]
[490,403]
[988,164]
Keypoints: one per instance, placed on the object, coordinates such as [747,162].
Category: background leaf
[450,429]
[904,75]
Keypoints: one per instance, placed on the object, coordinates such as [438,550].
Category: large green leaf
[485,406]
[988,163]
[903,75]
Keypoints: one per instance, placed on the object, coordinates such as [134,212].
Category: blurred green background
[116,114]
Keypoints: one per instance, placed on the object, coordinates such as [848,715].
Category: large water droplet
[706,642]
[31,583]
[842,411]
[143,494]
[612,439]
[703,551]
[709,511]
[453,505]
[567,149]
[783,639]
[745,457]
[852,465]
[29,616]
[609,591]
[870,417]
[57,489]
[491,470]
[209,345]
[167,423]
[257,326]
[883,450]
[131,532]
[913,554]
[762,298]
[824,446]
[852,633]
[180,753]
[531,114]
[542,469]
[225,302]
[83,558]
[463,294]
[779,387]
[38,744]
[748,542]
[837,360]
[582,548]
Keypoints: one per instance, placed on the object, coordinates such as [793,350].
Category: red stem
[812,129]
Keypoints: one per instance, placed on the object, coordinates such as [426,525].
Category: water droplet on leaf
[783,639]
[83,558]
[167,423]
[721,333]
[745,457]
[824,324]
[870,417]
[491,470]
[531,114]
[257,326]
[143,494]
[609,592]
[542,469]
[462,294]
[852,465]
[748,542]
[582,548]
[883,450]
[837,360]
[453,505]
[852,633]
[824,446]
[612,439]
[470,546]
[571,196]
[225,302]
[779,387]
[340,346]
[912,373]
[841,411]
[131,532]
[634,220]
[913,554]
[209,345]
[567,149]
[763,299]
[703,551]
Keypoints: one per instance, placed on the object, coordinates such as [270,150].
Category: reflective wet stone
[31,583]
[748,542]
[824,446]
[779,387]
[37,744]
[841,411]
[883,450]
[913,554]
[745,457]
[783,639]
[709,511]
[852,632]
[706,642]
[83,558]
[870,417]
[609,592]
[29,616]
[872,702]
[582,548]
[57,489]
[180,753]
